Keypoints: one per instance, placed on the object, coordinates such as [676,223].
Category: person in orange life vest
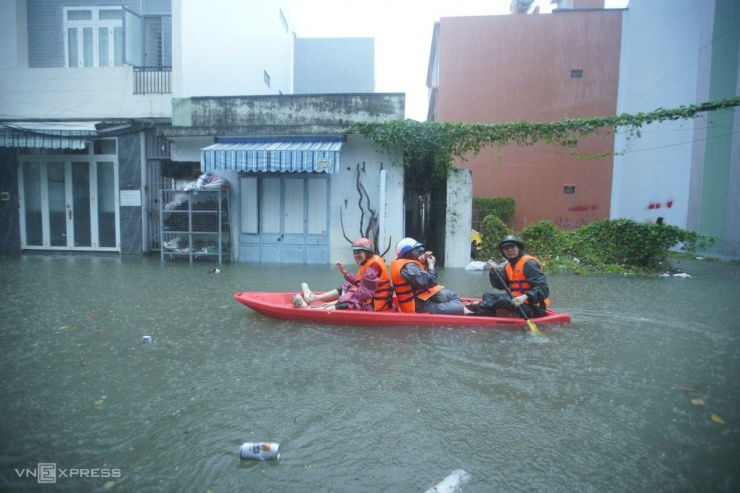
[523,275]
[417,289]
[370,289]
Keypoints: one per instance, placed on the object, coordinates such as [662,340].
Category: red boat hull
[278,305]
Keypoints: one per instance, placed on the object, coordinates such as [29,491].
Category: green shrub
[543,240]
[502,207]
[629,244]
[617,246]
[492,231]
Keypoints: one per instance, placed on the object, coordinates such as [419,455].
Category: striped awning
[48,135]
[313,155]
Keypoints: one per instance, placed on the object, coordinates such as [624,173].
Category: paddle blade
[532,327]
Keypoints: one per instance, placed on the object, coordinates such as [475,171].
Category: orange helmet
[363,244]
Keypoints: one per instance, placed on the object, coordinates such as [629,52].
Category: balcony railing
[152,80]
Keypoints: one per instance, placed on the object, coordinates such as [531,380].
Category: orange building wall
[518,67]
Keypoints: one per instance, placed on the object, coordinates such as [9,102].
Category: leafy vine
[430,147]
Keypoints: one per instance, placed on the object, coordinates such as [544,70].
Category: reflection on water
[603,404]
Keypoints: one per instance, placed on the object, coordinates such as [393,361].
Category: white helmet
[405,246]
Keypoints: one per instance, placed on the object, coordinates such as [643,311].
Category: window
[576,73]
[266,77]
[569,189]
[93,36]
[157,32]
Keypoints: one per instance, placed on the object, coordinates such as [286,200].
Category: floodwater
[639,393]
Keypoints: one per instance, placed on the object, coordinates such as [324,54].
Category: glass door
[55,219]
[68,205]
[79,214]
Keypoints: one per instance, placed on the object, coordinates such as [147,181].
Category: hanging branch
[360,189]
[373,229]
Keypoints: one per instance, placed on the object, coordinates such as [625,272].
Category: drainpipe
[381,214]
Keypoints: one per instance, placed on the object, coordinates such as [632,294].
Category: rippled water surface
[639,393]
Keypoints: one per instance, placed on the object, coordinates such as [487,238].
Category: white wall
[227,54]
[459,218]
[77,94]
[334,65]
[343,188]
[658,68]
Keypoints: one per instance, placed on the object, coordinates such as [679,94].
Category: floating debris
[452,483]
[259,450]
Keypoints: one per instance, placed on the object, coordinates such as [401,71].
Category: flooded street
[639,393]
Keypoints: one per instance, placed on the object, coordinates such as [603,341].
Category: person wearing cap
[369,289]
[416,286]
[523,276]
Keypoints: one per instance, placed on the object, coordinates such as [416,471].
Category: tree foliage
[429,148]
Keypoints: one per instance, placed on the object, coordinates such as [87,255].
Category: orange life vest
[405,293]
[517,282]
[383,293]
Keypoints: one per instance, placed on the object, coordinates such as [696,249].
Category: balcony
[152,80]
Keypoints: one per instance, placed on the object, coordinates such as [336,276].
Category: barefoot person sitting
[369,289]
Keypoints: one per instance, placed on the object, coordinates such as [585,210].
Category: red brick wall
[518,67]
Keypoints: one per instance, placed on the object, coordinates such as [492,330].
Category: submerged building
[105,104]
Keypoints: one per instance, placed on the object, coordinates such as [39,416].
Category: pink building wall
[512,68]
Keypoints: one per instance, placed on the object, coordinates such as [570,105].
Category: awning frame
[48,135]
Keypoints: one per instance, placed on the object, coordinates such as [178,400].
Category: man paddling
[524,277]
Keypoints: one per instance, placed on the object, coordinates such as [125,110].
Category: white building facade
[684,173]
[100,101]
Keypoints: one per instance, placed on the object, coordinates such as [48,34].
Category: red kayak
[279,305]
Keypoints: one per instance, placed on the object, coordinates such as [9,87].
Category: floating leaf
[109,484]
[697,402]
[64,327]
[94,314]
[687,389]
[98,402]
[717,419]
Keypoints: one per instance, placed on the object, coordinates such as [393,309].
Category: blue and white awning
[312,155]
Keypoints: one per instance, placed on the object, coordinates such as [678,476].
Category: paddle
[532,327]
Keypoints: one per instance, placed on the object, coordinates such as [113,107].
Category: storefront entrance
[68,203]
